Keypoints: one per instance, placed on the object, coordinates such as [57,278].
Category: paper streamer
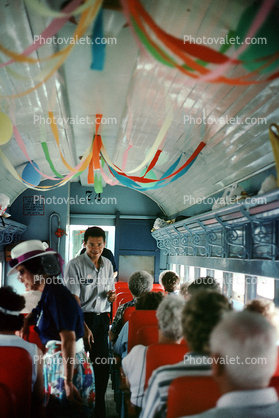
[85,20]
[98,49]
[135,12]
[43,10]
[49,32]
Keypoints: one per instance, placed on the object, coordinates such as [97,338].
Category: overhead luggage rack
[246,230]
[11,231]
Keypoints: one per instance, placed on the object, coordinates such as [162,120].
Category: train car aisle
[110,404]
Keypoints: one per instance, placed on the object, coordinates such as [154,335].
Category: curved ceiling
[135,94]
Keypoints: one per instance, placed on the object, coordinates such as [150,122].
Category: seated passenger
[147,302]
[237,340]
[11,321]
[170,331]
[199,316]
[170,281]
[266,308]
[140,282]
[203,283]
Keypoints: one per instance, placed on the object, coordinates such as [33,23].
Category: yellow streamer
[23,58]
[84,21]
[158,140]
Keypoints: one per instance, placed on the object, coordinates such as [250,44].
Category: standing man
[90,278]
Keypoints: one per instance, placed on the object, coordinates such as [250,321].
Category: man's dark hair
[94,232]
[149,301]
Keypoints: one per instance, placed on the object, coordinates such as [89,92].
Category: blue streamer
[160,183]
[98,49]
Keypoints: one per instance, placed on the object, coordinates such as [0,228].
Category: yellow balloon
[6,128]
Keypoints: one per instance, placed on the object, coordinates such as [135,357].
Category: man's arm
[88,335]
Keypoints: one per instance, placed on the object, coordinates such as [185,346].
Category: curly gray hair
[169,314]
[140,282]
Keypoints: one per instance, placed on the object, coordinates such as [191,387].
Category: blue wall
[75,203]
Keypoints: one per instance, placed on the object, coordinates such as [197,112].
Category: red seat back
[137,320]
[34,338]
[190,395]
[125,299]
[127,313]
[16,373]
[274,382]
[277,369]
[120,296]
[121,284]
[7,402]
[158,355]
[157,288]
[147,335]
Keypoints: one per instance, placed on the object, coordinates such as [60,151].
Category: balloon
[262,47]
[6,128]
[30,175]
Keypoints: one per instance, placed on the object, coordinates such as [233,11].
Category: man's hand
[88,336]
[111,295]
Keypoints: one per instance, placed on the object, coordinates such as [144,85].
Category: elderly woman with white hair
[139,283]
[170,331]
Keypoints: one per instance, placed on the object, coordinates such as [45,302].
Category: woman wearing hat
[68,374]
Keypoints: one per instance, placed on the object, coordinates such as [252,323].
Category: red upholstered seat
[7,402]
[121,284]
[189,395]
[127,313]
[274,382]
[157,288]
[16,374]
[137,320]
[158,355]
[119,296]
[277,369]
[147,335]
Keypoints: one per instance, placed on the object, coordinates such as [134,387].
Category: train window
[191,273]
[265,287]
[238,283]
[182,272]
[203,272]
[175,267]
[238,290]
[219,277]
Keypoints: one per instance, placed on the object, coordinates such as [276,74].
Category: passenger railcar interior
[157,121]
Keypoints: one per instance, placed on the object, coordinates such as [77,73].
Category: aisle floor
[110,404]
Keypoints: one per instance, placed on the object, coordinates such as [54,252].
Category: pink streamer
[128,135]
[126,12]
[258,21]
[107,179]
[50,31]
